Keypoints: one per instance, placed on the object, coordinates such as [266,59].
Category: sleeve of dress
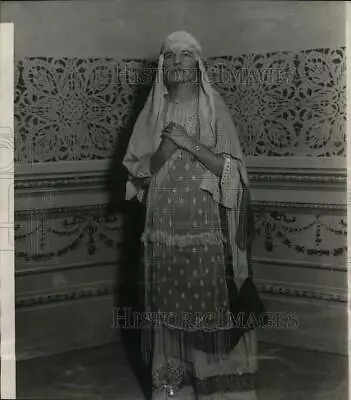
[138,168]
[226,188]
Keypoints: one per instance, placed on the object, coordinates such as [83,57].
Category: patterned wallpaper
[284,103]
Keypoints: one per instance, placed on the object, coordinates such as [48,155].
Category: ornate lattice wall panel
[284,103]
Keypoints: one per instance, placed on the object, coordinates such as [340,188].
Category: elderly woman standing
[186,164]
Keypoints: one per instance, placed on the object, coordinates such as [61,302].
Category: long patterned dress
[185,256]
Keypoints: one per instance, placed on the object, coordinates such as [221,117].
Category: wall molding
[311,169]
[254,260]
[323,187]
[301,293]
[292,205]
[286,181]
[109,289]
[256,203]
[97,180]
[62,210]
[299,264]
[286,177]
[78,293]
[62,267]
[59,182]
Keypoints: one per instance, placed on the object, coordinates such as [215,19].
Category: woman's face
[180,66]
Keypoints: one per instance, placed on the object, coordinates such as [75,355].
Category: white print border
[348,133]
[7,274]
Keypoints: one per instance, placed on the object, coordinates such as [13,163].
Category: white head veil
[146,135]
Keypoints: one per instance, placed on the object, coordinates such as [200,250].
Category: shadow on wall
[129,271]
